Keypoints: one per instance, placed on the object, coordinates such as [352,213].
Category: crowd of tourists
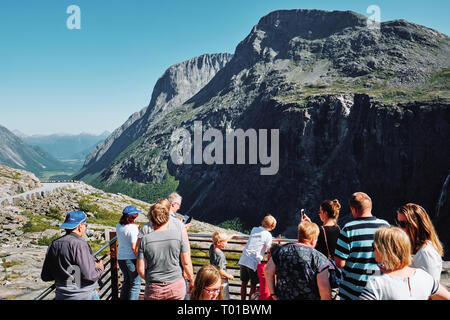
[366,259]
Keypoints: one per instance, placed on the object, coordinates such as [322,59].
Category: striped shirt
[354,245]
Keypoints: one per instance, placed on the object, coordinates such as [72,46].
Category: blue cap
[73,219]
[130,211]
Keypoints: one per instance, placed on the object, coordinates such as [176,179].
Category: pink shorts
[165,291]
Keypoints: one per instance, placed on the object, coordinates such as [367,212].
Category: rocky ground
[14,181]
[28,226]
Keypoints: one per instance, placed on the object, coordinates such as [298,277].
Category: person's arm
[46,273]
[441,294]
[135,246]
[340,263]
[225,274]
[90,269]
[140,267]
[323,283]
[188,270]
[269,274]
[342,250]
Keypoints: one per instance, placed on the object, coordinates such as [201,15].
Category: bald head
[361,203]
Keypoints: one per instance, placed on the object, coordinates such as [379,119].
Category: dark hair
[124,220]
[332,208]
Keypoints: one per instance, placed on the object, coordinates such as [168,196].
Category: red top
[263,290]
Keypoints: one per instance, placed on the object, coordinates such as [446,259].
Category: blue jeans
[131,285]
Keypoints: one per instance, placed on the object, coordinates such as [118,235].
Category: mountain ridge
[350,94]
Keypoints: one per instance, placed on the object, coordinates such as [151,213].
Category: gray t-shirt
[174,223]
[161,251]
[217,258]
[386,287]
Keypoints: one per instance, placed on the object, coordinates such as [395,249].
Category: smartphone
[187,219]
[302,214]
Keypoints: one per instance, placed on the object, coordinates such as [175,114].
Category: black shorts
[247,274]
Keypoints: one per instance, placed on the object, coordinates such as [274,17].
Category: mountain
[357,108]
[67,146]
[180,82]
[17,154]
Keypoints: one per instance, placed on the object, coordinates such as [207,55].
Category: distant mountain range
[15,153]
[57,155]
[66,146]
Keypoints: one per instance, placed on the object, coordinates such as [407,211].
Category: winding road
[46,187]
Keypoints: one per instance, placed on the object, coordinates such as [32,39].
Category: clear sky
[59,80]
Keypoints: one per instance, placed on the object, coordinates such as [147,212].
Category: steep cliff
[357,108]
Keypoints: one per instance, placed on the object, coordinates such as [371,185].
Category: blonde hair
[332,208]
[393,246]
[360,202]
[269,222]
[219,236]
[307,231]
[158,214]
[206,276]
[161,201]
[420,228]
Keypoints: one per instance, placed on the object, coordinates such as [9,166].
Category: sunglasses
[402,224]
[212,291]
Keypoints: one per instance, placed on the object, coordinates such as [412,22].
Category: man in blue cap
[71,264]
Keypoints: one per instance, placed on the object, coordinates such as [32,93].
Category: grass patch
[101,215]
[437,88]
[46,241]
[9,264]
[36,223]
[148,192]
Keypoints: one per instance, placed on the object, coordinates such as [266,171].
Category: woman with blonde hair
[399,281]
[301,270]
[426,248]
[207,284]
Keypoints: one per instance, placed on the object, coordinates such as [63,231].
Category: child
[218,259]
[258,243]
[207,284]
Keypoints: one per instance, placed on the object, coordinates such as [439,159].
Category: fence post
[114,272]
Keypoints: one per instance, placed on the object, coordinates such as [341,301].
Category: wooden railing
[110,281]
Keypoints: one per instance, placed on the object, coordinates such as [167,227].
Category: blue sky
[57,80]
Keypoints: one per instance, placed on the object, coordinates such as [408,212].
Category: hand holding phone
[187,219]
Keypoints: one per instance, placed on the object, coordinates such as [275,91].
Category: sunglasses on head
[402,224]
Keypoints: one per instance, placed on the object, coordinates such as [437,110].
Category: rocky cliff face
[357,109]
[180,82]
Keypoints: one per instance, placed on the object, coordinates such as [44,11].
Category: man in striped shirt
[354,252]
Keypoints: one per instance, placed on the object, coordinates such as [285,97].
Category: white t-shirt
[258,243]
[428,259]
[126,234]
[386,287]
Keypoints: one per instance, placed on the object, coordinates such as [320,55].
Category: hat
[130,211]
[73,219]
